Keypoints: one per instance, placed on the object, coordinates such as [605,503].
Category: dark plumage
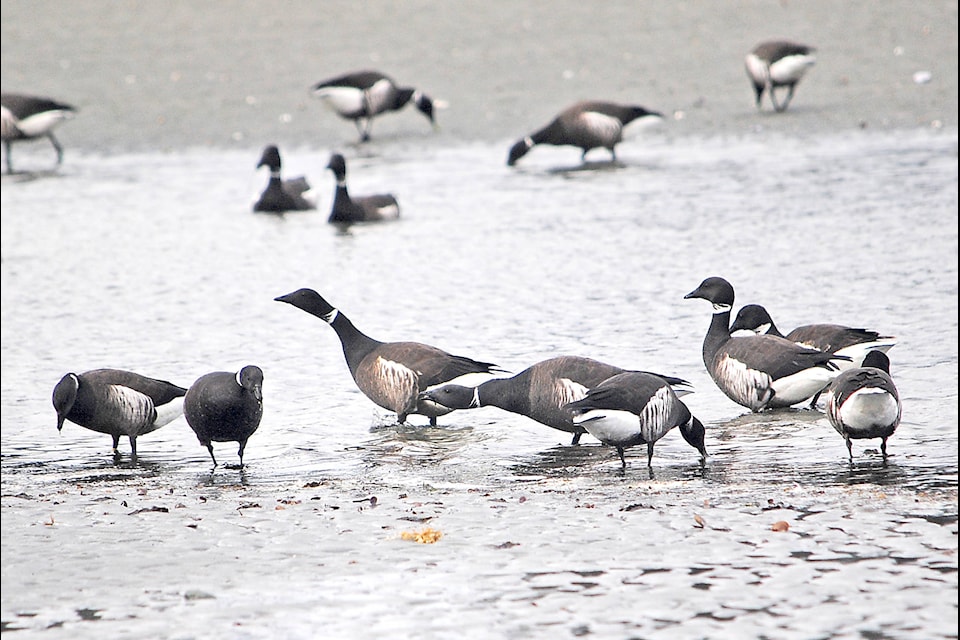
[118,403]
[225,407]
[775,64]
[363,95]
[864,402]
[541,392]
[634,408]
[371,208]
[24,117]
[829,338]
[759,372]
[587,125]
[391,374]
[282,195]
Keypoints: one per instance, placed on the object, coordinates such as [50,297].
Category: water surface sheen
[155,262]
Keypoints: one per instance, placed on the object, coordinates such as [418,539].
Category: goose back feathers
[829,338]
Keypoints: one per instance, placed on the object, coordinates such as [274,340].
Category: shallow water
[154,262]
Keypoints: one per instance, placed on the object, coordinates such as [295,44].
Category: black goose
[541,392]
[864,403]
[24,117]
[225,407]
[778,63]
[829,338]
[117,402]
[634,408]
[282,195]
[391,374]
[587,125]
[370,208]
[761,371]
[362,95]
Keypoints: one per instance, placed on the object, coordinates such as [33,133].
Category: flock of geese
[750,361]
[758,369]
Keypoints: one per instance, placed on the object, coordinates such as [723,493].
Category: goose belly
[867,410]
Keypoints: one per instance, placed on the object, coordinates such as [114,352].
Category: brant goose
[391,374]
[587,125]
[225,407]
[24,117]
[634,408]
[864,402]
[775,64]
[362,208]
[760,371]
[118,403]
[540,392]
[282,195]
[829,338]
[362,95]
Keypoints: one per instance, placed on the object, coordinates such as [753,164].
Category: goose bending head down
[225,406]
[760,371]
[633,408]
[864,402]
[117,403]
[775,64]
[541,392]
[587,125]
[26,117]
[363,95]
[391,374]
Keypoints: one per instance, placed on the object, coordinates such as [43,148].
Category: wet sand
[164,76]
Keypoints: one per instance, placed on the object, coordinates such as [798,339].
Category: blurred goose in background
[778,63]
[25,117]
[347,209]
[391,374]
[282,195]
[117,403]
[829,338]
[363,95]
[541,392]
[864,402]
[587,125]
[225,406]
[633,408]
[759,371]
